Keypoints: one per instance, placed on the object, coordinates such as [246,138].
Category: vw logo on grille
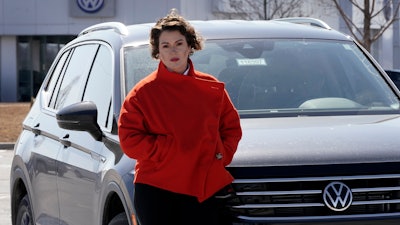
[337,196]
[90,6]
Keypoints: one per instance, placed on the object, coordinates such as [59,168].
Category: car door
[81,156]
[45,148]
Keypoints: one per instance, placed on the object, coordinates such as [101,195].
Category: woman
[181,127]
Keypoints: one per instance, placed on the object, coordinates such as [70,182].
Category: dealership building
[32,32]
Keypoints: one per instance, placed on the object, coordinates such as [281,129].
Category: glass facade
[35,55]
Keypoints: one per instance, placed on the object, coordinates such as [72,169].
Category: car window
[75,75]
[137,64]
[99,85]
[54,80]
[297,76]
[394,76]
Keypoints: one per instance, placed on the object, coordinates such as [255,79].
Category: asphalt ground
[5,167]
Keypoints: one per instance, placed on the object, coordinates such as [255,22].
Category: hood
[318,140]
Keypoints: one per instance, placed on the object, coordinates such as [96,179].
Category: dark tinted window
[395,77]
[99,85]
[76,73]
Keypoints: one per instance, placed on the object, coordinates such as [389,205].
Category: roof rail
[306,20]
[118,27]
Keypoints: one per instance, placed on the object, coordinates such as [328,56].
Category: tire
[119,219]
[24,215]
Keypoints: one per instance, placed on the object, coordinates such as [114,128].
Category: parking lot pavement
[5,166]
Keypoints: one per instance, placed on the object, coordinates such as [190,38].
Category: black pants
[156,206]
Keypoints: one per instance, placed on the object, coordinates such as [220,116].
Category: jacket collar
[162,71]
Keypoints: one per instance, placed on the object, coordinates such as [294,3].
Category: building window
[35,55]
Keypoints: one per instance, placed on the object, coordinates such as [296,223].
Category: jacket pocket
[163,148]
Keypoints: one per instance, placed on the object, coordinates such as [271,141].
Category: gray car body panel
[318,140]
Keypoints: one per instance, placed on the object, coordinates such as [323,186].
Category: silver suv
[319,117]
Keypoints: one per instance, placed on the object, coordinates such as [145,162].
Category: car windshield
[266,77]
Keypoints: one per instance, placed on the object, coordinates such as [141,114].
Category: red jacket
[174,126]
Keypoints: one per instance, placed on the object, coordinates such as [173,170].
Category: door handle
[36,130]
[65,142]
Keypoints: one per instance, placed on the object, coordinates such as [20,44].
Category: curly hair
[174,22]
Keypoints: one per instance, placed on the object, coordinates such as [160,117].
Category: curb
[7,145]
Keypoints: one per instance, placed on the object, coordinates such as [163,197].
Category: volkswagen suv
[319,116]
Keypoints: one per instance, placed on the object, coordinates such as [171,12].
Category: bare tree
[258,9]
[382,15]
[280,8]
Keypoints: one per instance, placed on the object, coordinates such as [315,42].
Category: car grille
[289,199]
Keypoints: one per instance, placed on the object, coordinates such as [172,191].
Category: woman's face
[174,51]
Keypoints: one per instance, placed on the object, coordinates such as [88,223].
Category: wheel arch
[117,199]
[19,187]
[113,206]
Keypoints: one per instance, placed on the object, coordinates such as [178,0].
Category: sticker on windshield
[251,62]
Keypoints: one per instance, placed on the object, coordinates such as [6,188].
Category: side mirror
[81,116]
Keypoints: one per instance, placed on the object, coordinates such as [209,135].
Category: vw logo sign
[337,196]
[90,6]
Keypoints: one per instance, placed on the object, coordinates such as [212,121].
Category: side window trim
[60,79]
[52,79]
[53,69]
